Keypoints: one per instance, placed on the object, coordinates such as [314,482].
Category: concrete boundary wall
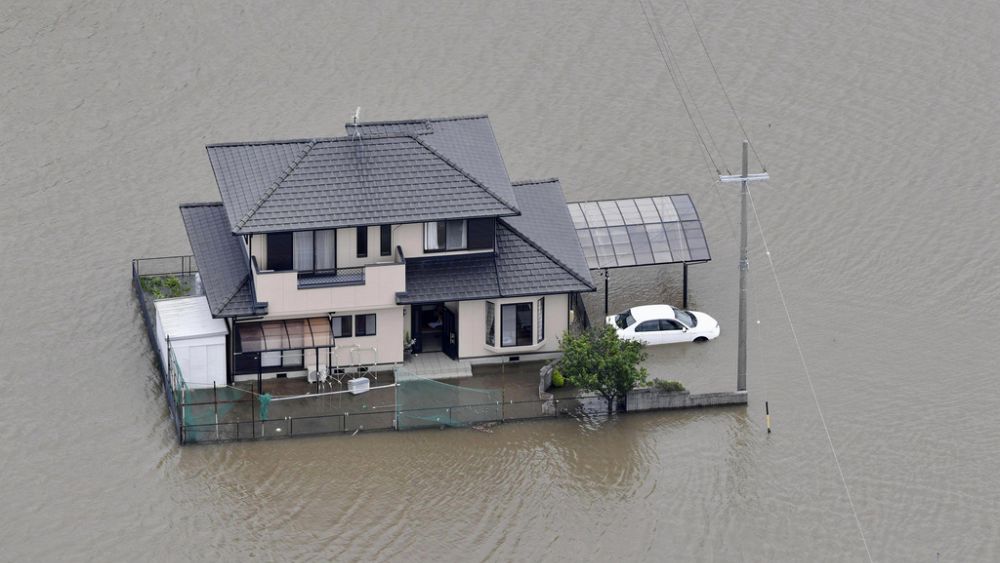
[649,398]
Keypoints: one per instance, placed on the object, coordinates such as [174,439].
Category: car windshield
[685,317]
[624,320]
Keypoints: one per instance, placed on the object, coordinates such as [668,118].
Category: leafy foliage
[162,287]
[668,386]
[598,360]
[557,378]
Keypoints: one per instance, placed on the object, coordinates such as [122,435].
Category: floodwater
[879,123]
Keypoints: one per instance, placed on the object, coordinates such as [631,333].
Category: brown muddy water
[880,126]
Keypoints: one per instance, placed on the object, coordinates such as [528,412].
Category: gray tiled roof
[221,260]
[546,222]
[469,142]
[348,181]
[517,267]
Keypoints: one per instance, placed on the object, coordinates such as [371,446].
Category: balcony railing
[341,277]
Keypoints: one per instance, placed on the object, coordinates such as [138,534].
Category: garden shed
[197,339]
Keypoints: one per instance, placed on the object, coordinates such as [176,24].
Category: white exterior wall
[472,327]
[280,290]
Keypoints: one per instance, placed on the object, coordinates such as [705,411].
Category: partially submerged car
[663,324]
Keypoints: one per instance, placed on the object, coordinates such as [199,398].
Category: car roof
[649,312]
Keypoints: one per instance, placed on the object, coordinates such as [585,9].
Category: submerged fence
[233,413]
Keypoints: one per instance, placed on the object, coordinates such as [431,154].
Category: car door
[672,331]
[649,332]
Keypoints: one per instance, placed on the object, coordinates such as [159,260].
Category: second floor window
[362,242]
[445,235]
[304,251]
[314,251]
[385,240]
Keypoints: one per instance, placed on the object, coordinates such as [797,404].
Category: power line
[687,110]
[805,368]
[687,87]
[721,85]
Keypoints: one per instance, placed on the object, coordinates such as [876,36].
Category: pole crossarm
[746,178]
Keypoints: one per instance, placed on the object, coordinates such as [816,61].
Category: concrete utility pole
[745,178]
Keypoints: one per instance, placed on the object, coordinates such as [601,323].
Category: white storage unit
[198,340]
[358,385]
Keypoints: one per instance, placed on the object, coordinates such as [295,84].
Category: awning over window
[292,334]
[635,232]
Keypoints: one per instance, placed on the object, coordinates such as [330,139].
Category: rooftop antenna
[357,117]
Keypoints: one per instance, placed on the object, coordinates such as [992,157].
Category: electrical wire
[721,85]
[805,369]
[673,78]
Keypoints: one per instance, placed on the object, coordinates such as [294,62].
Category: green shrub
[557,378]
[161,287]
[668,386]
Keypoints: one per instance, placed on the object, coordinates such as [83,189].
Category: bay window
[515,324]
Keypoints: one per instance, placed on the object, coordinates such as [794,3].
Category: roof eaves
[270,191]
[505,203]
[558,262]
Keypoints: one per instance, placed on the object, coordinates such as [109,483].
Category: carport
[645,231]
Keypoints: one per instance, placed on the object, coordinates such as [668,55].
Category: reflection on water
[879,124]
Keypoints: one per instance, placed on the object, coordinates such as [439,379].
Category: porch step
[436,365]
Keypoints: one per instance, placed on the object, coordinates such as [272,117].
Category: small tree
[598,360]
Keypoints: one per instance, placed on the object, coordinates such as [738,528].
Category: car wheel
[701,339]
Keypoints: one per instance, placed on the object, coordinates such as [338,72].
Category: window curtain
[431,236]
[456,234]
[302,248]
[490,324]
[326,250]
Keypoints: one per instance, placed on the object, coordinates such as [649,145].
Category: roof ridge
[533,182]
[270,191]
[466,174]
[237,290]
[420,120]
[548,255]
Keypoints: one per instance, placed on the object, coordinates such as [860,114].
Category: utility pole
[745,178]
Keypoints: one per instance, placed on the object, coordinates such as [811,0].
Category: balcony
[290,293]
[343,276]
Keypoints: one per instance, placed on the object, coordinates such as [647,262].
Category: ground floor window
[491,329]
[341,326]
[364,325]
[541,320]
[515,324]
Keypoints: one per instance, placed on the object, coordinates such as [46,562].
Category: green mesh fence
[207,413]
[426,403]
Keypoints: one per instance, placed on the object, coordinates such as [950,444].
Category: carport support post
[605,292]
[685,285]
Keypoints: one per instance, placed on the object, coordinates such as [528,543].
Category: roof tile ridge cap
[191,204]
[270,191]
[499,152]
[533,182]
[505,203]
[548,255]
[238,288]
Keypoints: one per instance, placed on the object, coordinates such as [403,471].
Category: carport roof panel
[616,233]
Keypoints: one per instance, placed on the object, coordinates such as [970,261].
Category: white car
[663,324]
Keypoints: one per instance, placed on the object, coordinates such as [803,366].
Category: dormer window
[440,236]
[472,234]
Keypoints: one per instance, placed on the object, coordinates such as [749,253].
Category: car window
[625,320]
[648,326]
[686,317]
[666,324]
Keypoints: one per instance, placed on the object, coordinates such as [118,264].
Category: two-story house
[332,252]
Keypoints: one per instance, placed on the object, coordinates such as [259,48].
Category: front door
[450,334]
